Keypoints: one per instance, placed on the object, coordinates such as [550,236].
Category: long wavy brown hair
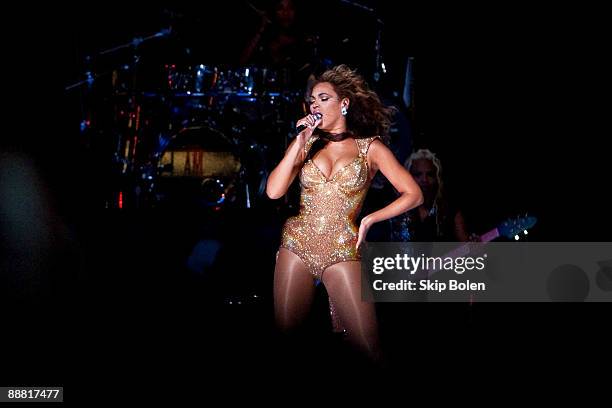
[367,115]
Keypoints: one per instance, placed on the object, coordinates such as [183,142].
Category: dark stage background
[509,99]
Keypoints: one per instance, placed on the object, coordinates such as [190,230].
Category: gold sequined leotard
[324,232]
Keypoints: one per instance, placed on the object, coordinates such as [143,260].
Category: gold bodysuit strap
[364,144]
[309,144]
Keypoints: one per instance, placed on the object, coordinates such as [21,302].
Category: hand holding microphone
[309,122]
[305,127]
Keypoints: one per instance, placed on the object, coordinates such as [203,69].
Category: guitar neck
[465,248]
[490,236]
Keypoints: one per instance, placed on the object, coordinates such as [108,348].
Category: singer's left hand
[364,227]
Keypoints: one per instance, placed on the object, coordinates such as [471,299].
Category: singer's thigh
[343,284]
[294,290]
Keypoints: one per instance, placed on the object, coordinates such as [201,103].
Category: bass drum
[202,167]
[199,166]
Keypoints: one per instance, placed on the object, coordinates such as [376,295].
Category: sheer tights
[294,289]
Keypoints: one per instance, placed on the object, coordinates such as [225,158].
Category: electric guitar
[511,228]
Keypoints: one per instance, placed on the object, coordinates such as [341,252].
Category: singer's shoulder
[378,149]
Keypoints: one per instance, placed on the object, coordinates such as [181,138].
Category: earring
[344,111]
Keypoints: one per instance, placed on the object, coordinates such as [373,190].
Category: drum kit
[192,134]
[189,132]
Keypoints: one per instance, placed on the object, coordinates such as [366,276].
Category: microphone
[303,127]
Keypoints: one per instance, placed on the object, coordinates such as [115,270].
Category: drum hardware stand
[90,78]
[123,155]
